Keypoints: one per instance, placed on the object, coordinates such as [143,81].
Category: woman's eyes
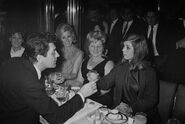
[128,47]
[67,37]
[96,46]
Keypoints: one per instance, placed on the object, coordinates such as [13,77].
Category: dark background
[27,15]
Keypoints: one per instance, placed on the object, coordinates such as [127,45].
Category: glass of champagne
[173,121]
[140,118]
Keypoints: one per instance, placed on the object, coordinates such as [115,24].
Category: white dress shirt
[17,53]
[112,25]
[155,27]
[38,71]
[124,25]
[183,21]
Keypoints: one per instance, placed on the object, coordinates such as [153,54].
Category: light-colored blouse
[18,53]
[70,59]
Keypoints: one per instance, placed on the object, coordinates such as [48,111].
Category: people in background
[114,35]
[16,40]
[96,61]
[22,93]
[162,36]
[94,20]
[13,48]
[134,80]
[131,23]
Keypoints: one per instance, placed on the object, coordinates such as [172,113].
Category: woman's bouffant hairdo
[140,51]
[94,36]
[63,27]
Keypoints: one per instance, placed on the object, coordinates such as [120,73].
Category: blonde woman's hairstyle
[93,36]
[63,27]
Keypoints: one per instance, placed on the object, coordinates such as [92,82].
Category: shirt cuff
[83,99]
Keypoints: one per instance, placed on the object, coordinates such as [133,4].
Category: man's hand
[88,89]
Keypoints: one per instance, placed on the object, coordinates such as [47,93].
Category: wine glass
[173,121]
[140,118]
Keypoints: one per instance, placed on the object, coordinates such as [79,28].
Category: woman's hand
[92,76]
[124,108]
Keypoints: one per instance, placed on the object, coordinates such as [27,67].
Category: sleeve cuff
[83,99]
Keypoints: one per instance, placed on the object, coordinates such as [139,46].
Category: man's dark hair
[38,44]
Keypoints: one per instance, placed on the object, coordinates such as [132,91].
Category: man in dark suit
[175,67]
[22,94]
[161,39]
[115,36]
[131,24]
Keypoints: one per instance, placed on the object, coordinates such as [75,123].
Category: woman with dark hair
[134,81]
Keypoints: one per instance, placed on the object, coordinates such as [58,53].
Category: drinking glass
[98,117]
[173,121]
[140,118]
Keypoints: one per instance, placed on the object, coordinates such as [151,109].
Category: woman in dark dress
[96,61]
[134,81]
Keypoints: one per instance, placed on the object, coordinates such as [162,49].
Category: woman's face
[67,38]
[128,50]
[96,48]
[16,40]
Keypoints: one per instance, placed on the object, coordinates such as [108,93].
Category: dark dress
[137,88]
[105,99]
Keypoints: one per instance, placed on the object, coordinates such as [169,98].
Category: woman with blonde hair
[72,56]
[96,61]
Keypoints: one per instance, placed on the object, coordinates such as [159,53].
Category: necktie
[150,38]
[125,30]
[112,25]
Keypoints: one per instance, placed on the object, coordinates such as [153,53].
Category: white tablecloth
[89,107]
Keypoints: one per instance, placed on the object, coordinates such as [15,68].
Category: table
[83,116]
[87,115]
[80,117]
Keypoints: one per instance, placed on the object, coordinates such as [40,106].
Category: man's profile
[22,93]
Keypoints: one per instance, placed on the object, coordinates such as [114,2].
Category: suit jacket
[114,41]
[147,96]
[137,27]
[5,51]
[174,67]
[168,33]
[23,97]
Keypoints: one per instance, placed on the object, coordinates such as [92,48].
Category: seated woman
[96,62]
[15,48]
[72,56]
[16,40]
[134,81]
